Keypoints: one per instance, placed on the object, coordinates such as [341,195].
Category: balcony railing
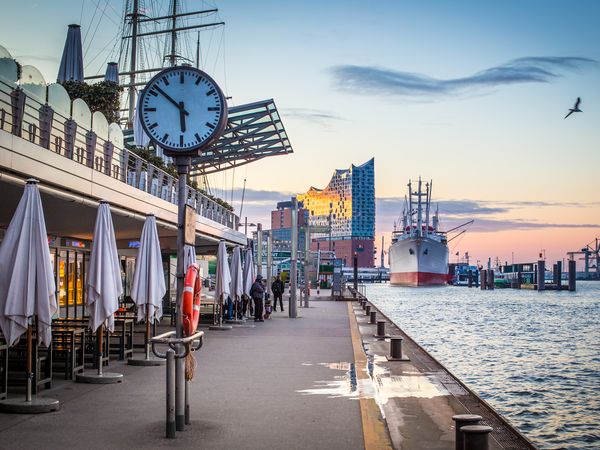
[89,140]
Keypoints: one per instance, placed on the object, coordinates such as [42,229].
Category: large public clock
[183,110]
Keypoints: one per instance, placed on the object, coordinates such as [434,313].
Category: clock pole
[183,164]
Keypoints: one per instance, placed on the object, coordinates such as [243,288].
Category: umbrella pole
[147,332]
[29,363]
[221,310]
[99,341]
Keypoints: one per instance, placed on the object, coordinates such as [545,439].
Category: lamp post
[292,306]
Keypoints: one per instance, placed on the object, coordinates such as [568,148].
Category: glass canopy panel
[59,99]
[33,83]
[115,135]
[8,70]
[100,125]
[82,114]
[4,53]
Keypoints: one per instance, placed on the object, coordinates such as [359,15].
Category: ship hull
[418,262]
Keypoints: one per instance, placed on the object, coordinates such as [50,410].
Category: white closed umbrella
[27,286]
[104,287]
[189,256]
[249,273]
[223,278]
[237,280]
[26,276]
[148,280]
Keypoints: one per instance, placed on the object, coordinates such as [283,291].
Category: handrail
[102,156]
[188,344]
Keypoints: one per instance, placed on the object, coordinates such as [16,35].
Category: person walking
[257,292]
[277,287]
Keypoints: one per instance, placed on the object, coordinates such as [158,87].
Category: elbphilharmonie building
[345,212]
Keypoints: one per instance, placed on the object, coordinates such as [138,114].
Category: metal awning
[254,131]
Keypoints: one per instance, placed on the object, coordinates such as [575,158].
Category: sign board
[189,226]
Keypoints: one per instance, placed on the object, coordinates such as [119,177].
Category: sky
[469,94]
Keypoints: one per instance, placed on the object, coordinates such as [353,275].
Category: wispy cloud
[317,116]
[370,80]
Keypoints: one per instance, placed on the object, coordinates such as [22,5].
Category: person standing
[277,287]
[257,292]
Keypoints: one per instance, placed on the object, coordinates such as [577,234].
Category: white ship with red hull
[419,251]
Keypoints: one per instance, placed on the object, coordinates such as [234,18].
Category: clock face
[182,109]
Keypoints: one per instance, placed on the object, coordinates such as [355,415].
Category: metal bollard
[461,420]
[170,394]
[367,310]
[364,304]
[396,350]
[187,402]
[373,318]
[476,437]
[380,329]
[180,394]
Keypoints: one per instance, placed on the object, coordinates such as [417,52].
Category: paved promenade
[245,395]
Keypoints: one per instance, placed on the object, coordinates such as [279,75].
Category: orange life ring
[190,307]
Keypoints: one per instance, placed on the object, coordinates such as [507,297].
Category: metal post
[269,262]
[171,394]
[259,249]
[187,402]
[183,163]
[476,437]
[572,275]
[461,420]
[541,279]
[367,310]
[373,318]
[305,265]
[380,329]
[396,349]
[355,263]
[29,363]
[559,269]
[491,279]
[292,305]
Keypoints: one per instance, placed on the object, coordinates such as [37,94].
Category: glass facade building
[346,207]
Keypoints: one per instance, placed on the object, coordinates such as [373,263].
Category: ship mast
[419,211]
[134,20]
[132,66]
[410,209]
[428,199]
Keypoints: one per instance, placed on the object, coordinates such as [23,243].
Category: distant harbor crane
[592,249]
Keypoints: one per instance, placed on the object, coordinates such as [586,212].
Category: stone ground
[245,395]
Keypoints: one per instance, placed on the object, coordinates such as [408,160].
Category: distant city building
[342,215]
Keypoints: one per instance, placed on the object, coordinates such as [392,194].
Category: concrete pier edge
[498,435]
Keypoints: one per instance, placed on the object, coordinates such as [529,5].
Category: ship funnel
[71,64]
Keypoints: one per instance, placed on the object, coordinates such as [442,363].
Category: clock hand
[182,113]
[168,97]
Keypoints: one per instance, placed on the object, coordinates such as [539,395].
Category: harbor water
[534,356]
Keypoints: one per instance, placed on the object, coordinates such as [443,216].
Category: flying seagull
[575,108]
